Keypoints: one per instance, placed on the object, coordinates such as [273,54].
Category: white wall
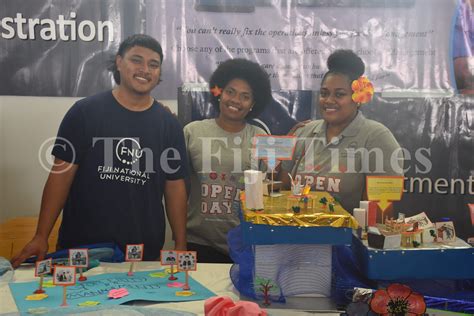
[2,215]
[25,124]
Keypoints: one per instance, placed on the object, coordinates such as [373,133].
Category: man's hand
[55,193]
[38,246]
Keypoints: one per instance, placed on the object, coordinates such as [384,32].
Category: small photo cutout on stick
[187,260]
[169,257]
[79,257]
[64,275]
[43,267]
[134,252]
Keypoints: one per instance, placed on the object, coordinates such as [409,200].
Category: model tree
[266,287]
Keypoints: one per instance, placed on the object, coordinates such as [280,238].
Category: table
[213,276]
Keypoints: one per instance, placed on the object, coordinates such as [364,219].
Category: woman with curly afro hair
[219,150]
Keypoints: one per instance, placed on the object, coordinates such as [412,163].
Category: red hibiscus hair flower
[216,91]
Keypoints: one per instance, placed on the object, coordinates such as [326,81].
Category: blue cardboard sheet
[141,286]
[258,234]
[452,262]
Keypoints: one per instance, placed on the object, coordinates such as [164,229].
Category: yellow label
[384,190]
[36,297]
[159,274]
[185,293]
[88,303]
[48,283]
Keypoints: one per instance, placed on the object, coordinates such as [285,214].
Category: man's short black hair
[131,41]
[249,72]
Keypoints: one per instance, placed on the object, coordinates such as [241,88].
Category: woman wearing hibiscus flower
[219,151]
[336,153]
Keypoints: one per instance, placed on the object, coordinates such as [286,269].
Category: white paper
[365,205]
[360,214]
[253,189]
[422,219]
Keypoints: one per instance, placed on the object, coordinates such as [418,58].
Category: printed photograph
[64,275]
[43,267]
[78,257]
[445,232]
[187,260]
[422,220]
[169,257]
[134,252]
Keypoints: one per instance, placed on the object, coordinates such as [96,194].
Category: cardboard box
[391,241]
[427,262]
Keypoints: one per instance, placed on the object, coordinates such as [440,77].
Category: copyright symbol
[46,159]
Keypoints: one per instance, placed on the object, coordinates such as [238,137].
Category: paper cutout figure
[306,189]
[88,303]
[36,297]
[118,293]
[38,311]
[48,284]
[161,274]
[185,293]
[175,284]
[296,188]
[445,232]
[422,220]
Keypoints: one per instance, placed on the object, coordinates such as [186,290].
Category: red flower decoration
[363,90]
[216,91]
[398,299]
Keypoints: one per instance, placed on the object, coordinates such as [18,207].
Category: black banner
[62,48]
[435,133]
